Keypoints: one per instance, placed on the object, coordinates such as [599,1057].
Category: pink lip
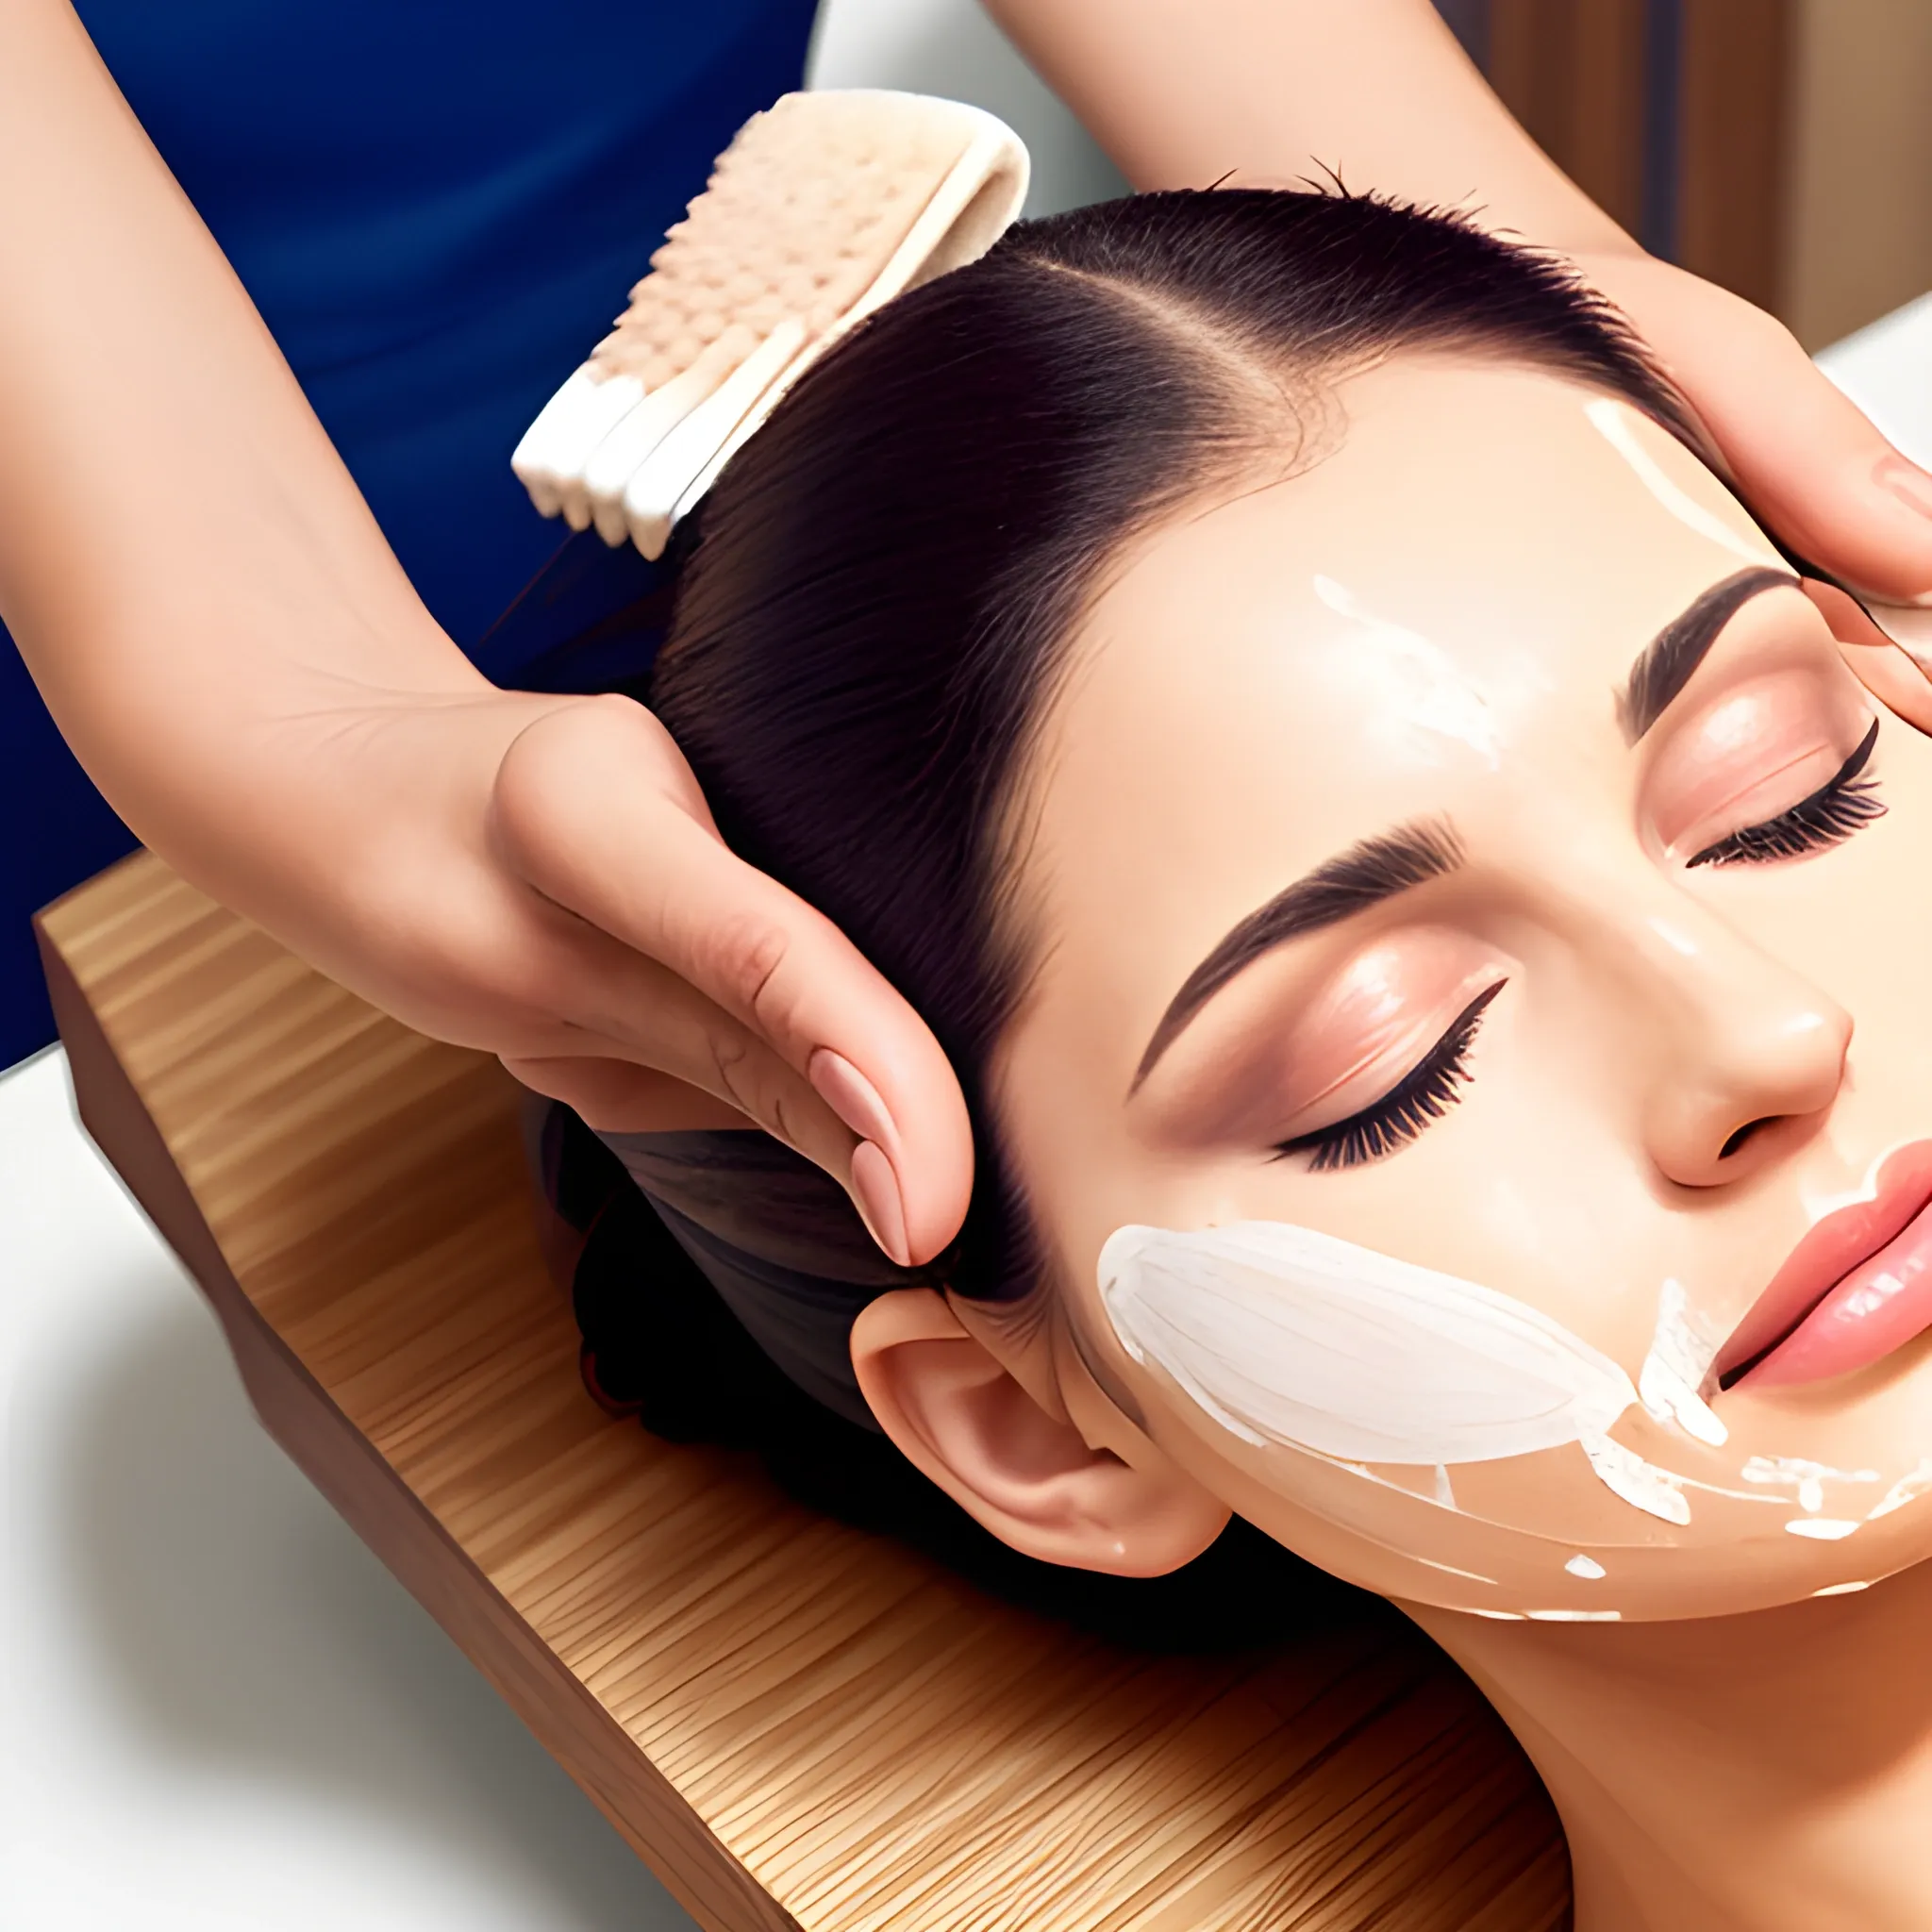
[1856,1287]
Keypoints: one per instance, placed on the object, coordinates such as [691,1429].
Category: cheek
[1601,1510]
[1533,1184]
[1530,1185]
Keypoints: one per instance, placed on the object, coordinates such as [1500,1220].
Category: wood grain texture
[795,1725]
[1732,145]
[1572,73]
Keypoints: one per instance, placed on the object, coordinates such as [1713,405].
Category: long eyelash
[1426,1093]
[1838,808]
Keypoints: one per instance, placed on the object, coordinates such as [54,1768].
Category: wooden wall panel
[1858,214]
[1673,115]
[1732,143]
[1572,72]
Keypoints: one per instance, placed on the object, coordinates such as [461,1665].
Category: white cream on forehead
[1616,423]
[1417,685]
[1288,1336]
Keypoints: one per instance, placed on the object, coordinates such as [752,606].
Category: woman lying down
[1432,934]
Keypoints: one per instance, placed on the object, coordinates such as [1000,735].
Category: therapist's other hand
[1378,94]
[1805,458]
[1808,461]
[540,878]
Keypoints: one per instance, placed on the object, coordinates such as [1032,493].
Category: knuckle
[739,957]
[744,1075]
[1749,319]
[523,793]
[729,1053]
[553,747]
[562,773]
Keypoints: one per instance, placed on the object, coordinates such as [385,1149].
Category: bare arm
[1181,92]
[173,518]
[237,658]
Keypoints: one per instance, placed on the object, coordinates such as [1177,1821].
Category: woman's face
[1469,850]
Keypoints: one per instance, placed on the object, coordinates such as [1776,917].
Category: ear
[1029,1476]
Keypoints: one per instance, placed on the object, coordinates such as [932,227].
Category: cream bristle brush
[824,206]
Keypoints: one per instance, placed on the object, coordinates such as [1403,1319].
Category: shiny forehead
[1483,544]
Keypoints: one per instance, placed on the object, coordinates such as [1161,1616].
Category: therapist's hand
[237,659]
[540,878]
[1804,457]
[1188,92]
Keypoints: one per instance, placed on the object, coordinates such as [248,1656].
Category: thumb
[1808,461]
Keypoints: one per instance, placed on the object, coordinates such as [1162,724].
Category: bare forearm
[1183,93]
[180,546]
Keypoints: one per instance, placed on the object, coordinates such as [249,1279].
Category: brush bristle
[823,206]
[803,210]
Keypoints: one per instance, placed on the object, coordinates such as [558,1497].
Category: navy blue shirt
[438,210]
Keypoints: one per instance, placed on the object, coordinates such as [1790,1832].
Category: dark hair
[874,609]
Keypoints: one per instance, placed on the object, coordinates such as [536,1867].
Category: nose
[1749,1053]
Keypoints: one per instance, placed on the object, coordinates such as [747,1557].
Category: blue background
[437,208]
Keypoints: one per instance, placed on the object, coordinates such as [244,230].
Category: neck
[1771,1773]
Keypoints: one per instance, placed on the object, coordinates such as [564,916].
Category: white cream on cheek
[1674,1372]
[1285,1335]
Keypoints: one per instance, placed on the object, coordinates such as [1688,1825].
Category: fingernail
[853,1098]
[1912,487]
[875,1183]
[1907,482]
[877,1189]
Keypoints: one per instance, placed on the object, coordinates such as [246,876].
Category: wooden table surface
[795,1725]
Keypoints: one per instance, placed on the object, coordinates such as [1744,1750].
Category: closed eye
[1843,805]
[1423,1094]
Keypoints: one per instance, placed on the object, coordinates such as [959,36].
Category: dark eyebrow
[1337,889]
[1664,666]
